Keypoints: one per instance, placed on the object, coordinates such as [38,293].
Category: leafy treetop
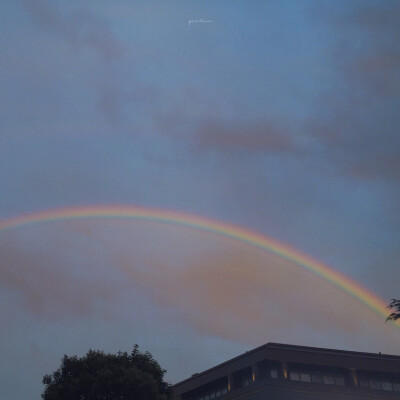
[100,376]
[394,305]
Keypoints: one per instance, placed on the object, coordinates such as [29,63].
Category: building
[285,372]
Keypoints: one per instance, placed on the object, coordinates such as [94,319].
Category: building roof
[278,349]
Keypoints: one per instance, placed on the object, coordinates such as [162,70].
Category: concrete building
[285,372]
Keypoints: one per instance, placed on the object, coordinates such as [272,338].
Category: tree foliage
[100,376]
[395,306]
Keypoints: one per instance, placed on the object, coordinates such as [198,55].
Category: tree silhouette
[394,305]
[100,376]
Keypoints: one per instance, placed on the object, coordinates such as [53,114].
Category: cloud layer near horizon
[219,287]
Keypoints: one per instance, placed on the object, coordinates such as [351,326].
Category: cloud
[199,123]
[357,122]
[86,32]
[47,285]
[80,29]
[239,136]
[242,295]
[376,68]
[217,288]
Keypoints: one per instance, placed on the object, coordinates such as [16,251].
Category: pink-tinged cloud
[239,294]
[218,288]
[46,285]
[241,136]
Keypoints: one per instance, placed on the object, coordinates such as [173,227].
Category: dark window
[305,377]
[363,383]
[274,373]
[387,385]
[269,369]
[339,380]
[243,378]
[374,384]
[245,381]
[328,379]
[316,378]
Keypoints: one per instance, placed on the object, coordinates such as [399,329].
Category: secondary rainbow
[206,224]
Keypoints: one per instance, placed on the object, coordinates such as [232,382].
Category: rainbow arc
[232,231]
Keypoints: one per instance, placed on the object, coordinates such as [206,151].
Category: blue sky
[278,116]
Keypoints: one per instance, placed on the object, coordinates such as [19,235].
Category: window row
[212,393]
[380,384]
[327,378]
[296,372]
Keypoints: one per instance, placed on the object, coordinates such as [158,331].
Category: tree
[394,305]
[100,376]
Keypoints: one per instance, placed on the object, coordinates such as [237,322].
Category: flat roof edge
[292,347]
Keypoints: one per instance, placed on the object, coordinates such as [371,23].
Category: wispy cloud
[85,31]
[80,29]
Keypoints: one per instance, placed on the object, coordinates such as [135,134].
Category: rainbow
[209,225]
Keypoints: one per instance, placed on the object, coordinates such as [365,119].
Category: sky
[280,117]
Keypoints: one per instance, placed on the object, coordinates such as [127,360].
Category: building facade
[286,372]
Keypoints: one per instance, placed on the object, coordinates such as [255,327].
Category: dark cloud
[239,136]
[376,66]
[357,122]
[195,121]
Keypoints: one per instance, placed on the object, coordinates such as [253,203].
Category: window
[328,379]
[305,377]
[339,380]
[294,376]
[316,378]
[374,384]
[268,369]
[243,378]
[364,383]
[274,373]
[387,385]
